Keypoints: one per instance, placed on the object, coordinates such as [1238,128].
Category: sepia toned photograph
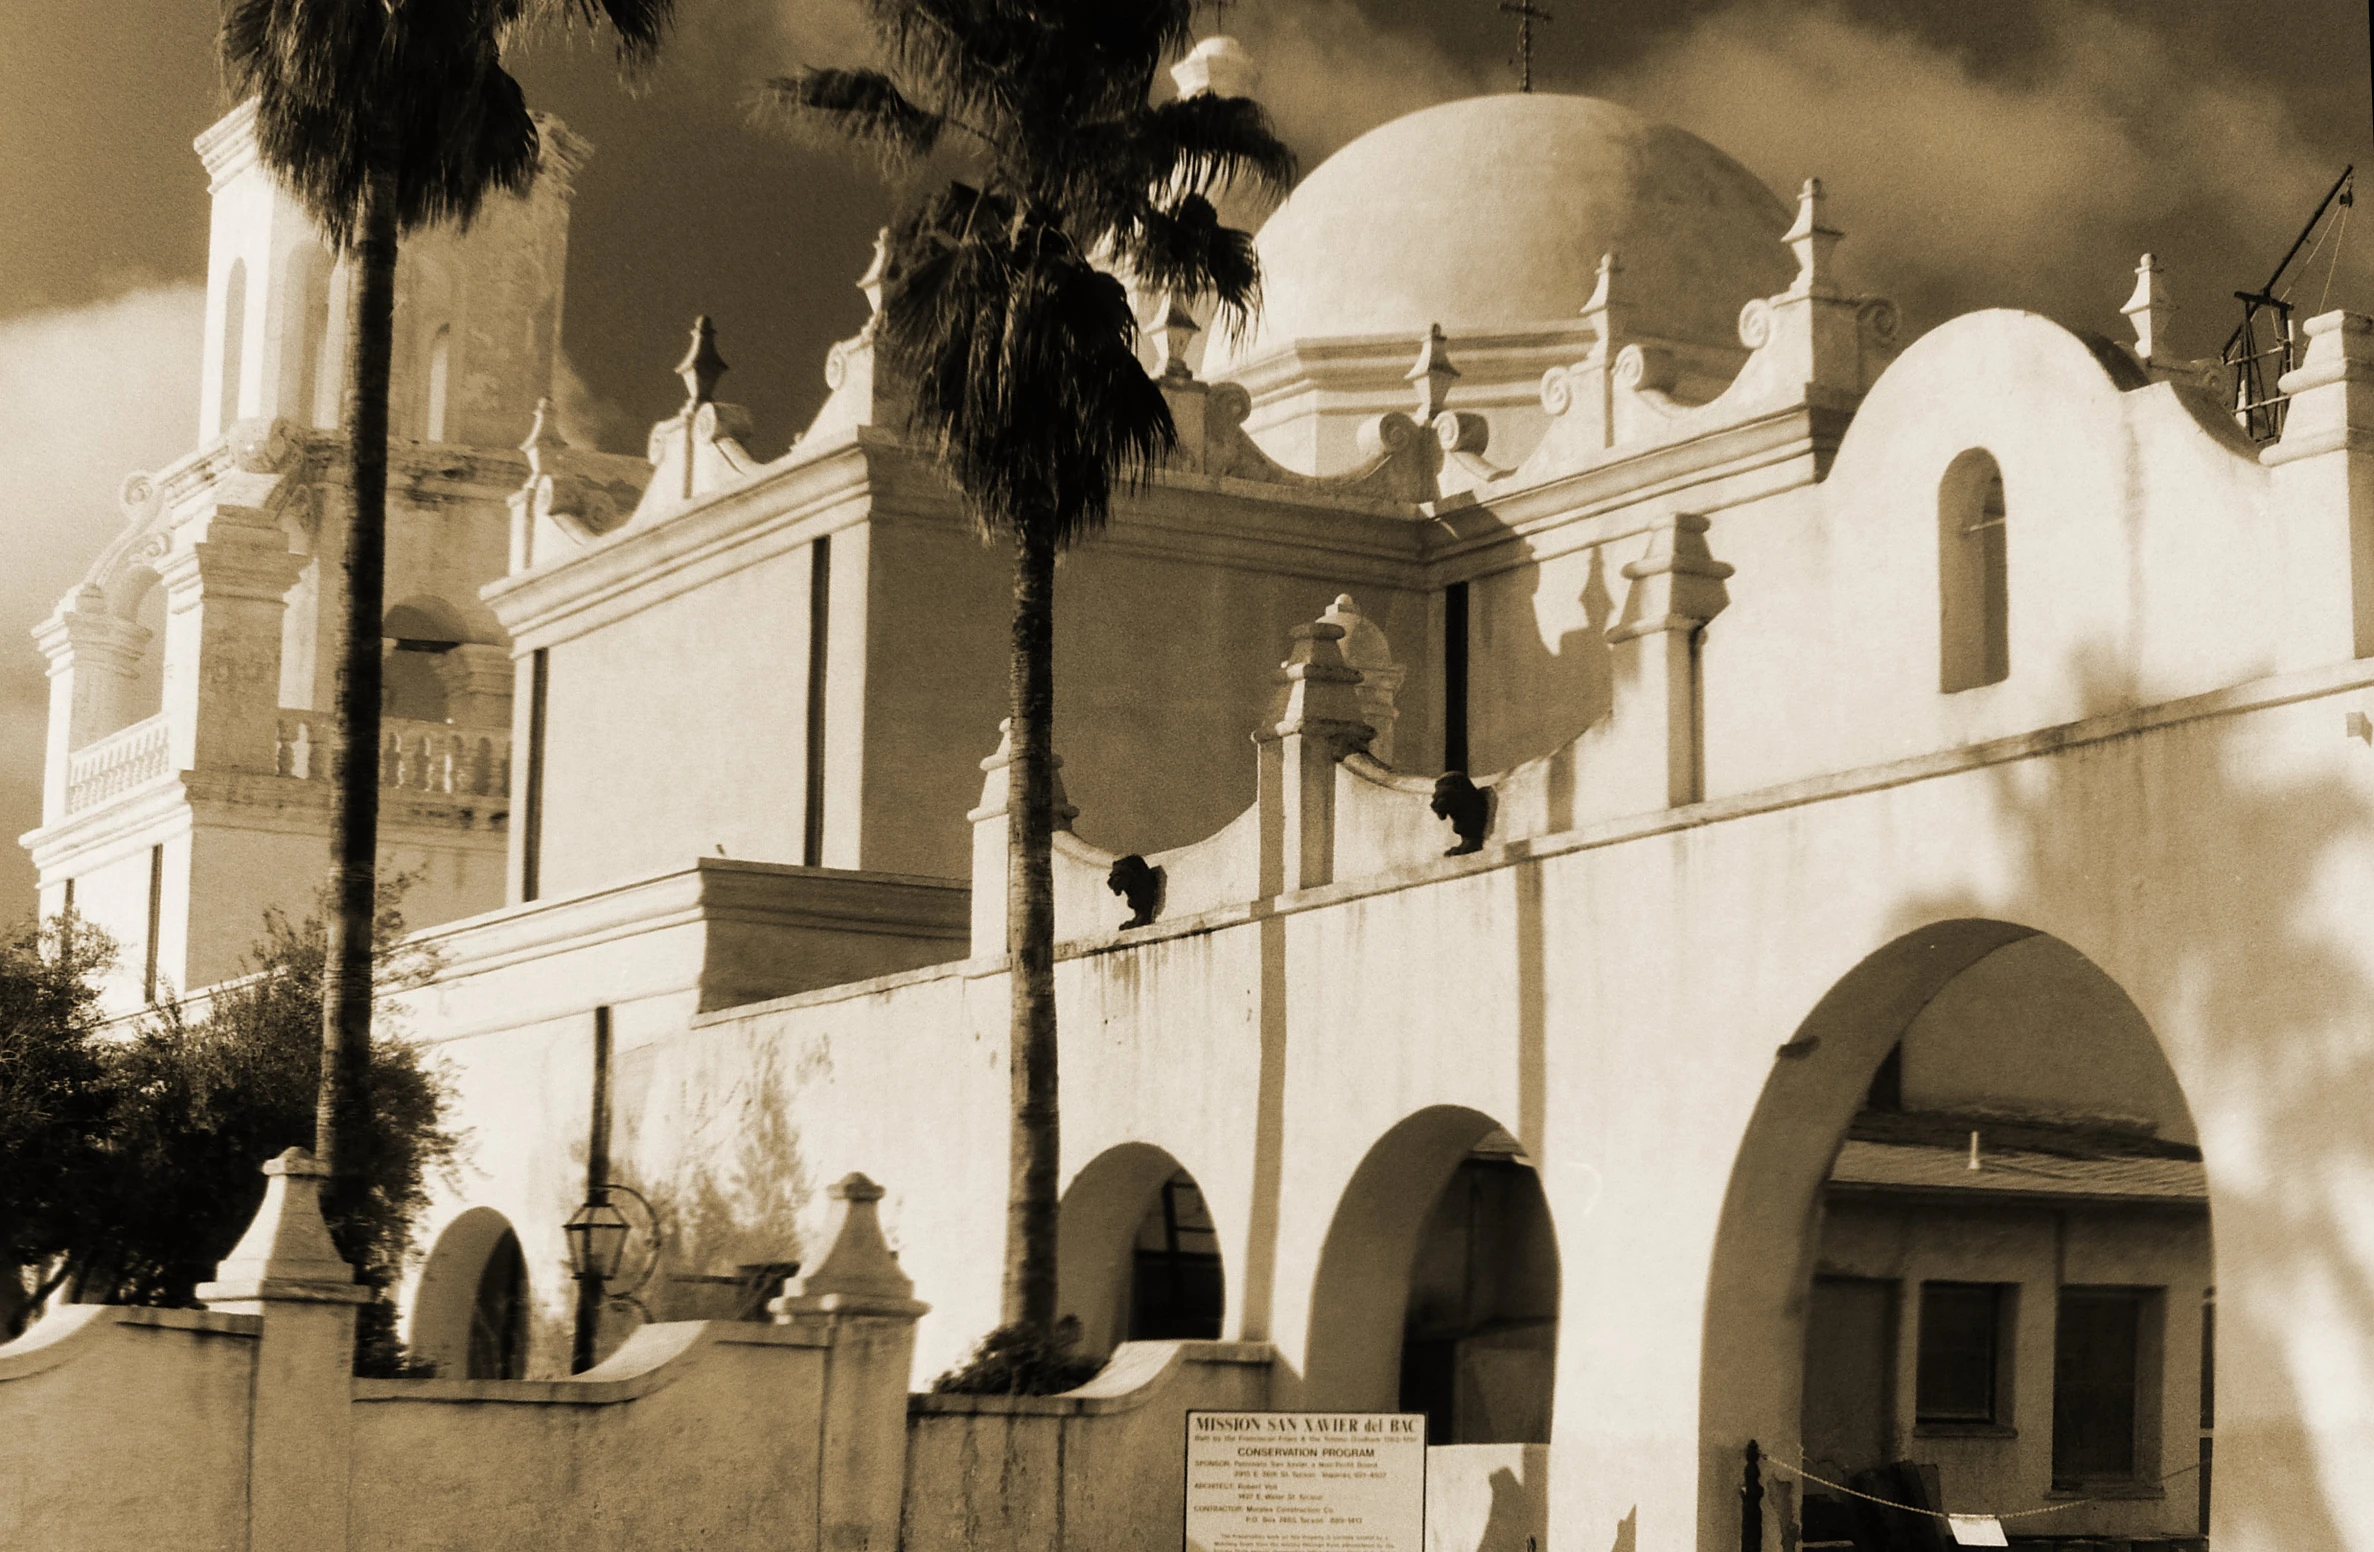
[1186,776]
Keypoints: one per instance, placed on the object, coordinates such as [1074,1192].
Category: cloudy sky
[2001,153]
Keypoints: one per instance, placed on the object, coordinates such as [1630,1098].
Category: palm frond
[864,106]
[1180,245]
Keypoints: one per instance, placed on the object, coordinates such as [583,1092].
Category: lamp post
[597,1231]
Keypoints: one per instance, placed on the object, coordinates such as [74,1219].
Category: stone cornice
[227,147]
[712,889]
[169,805]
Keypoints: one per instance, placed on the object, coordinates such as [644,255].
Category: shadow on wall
[2216,872]
[1567,688]
[723,1175]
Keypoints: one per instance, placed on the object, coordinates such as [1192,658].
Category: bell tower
[477,311]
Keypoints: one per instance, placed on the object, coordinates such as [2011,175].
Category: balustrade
[117,763]
[431,757]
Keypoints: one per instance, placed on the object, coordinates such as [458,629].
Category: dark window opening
[820,613]
[531,845]
[1974,603]
[499,1315]
[1176,1289]
[1455,677]
[2097,1350]
[156,921]
[1959,1372]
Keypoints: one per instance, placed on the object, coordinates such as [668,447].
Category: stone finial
[1218,65]
[1318,692]
[861,1265]
[544,434]
[1677,584]
[1812,237]
[1366,648]
[997,786]
[877,269]
[1433,374]
[2149,309]
[1605,310]
[286,1252]
[702,366]
[1174,329]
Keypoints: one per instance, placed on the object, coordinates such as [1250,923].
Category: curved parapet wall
[118,1423]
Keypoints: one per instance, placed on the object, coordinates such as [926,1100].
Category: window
[1176,1292]
[1961,1369]
[1974,604]
[2098,1373]
[234,342]
[440,372]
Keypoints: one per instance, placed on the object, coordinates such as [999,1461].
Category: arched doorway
[1437,1288]
[470,1309]
[1139,1258]
[1965,1256]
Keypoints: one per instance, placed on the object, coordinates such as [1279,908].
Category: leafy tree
[54,1105]
[157,1138]
[1001,311]
[384,118]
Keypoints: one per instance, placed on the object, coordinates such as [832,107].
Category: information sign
[1306,1482]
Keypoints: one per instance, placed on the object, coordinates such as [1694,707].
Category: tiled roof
[2017,1172]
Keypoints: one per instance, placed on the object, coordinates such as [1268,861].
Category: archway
[421,633]
[470,1309]
[1139,1259]
[1437,1288]
[1965,1254]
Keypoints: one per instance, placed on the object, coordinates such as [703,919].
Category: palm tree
[1000,310]
[384,117]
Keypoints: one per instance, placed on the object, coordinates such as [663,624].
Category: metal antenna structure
[1526,13]
[2258,361]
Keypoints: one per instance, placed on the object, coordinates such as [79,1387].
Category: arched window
[470,1310]
[304,309]
[1973,592]
[440,368]
[1176,1289]
[234,341]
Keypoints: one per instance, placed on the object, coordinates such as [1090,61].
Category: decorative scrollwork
[1228,403]
[1461,431]
[1389,433]
[1755,324]
[1557,393]
[1644,367]
[137,491]
[1879,319]
[836,362]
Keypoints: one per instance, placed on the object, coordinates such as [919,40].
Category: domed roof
[1494,211]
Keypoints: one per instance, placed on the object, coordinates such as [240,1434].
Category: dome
[1494,211]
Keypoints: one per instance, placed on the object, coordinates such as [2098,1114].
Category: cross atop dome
[1527,12]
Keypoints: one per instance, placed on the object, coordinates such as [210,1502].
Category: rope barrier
[1939,1514]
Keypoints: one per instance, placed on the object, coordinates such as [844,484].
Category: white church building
[1903,979]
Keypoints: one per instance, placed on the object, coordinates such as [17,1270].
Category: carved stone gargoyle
[1139,882]
[1467,806]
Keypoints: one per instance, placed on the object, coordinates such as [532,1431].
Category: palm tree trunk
[344,1105]
[1030,941]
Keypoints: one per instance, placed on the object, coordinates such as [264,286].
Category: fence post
[863,1304]
[286,1270]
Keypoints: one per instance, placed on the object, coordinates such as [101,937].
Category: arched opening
[329,357]
[1139,1258]
[439,374]
[141,694]
[1965,1254]
[418,633]
[303,329]
[470,1310]
[234,344]
[1973,586]
[1437,1288]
